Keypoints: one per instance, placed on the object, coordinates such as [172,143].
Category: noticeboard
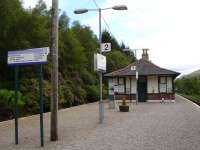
[99,63]
[28,57]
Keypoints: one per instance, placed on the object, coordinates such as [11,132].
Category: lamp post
[81,11]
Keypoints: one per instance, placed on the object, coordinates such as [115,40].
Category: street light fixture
[120,7]
[81,11]
[84,10]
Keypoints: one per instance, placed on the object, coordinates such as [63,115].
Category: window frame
[163,84]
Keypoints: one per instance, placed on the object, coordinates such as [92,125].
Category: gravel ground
[148,126]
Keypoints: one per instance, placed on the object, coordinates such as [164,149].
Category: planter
[124,108]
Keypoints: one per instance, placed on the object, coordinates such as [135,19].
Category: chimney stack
[145,54]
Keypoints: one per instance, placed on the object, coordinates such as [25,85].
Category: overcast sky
[169,28]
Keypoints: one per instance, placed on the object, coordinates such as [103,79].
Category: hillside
[191,75]
[194,74]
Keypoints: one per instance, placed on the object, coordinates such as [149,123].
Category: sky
[169,28]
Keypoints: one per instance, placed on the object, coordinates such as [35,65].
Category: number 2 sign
[106,47]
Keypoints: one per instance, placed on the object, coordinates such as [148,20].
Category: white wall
[110,86]
[133,85]
[121,85]
[128,85]
[152,84]
[113,84]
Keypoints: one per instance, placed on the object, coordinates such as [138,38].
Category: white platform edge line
[189,101]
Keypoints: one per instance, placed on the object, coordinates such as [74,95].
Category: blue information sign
[28,57]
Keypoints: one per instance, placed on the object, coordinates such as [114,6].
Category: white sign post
[100,63]
[105,47]
[133,68]
[28,57]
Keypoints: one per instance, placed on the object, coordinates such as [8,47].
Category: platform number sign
[106,47]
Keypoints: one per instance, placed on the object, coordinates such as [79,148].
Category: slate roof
[144,67]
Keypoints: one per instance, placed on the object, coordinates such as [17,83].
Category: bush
[7,101]
[93,94]
[7,98]
[66,95]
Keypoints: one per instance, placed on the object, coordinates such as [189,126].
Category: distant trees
[30,28]
[188,85]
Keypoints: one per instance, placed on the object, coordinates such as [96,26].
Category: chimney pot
[145,54]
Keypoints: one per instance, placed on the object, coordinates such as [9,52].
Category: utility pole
[54,74]
[101,105]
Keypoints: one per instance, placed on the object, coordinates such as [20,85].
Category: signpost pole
[136,76]
[41,106]
[16,103]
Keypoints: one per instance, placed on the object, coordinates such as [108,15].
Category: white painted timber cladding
[152,84]
[110,87]
[133,85]
[128,85]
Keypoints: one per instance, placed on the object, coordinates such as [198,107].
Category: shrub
[93,93]
[7,101]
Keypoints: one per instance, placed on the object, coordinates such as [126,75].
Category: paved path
[149,126]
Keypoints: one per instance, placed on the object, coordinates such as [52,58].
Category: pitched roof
[144,67]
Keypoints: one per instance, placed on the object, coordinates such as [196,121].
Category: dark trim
[158,84]
[124,84]
[117,81]
[172,75]
[140,99]
[163,83]
[173,90]
[150,96]
[130,87]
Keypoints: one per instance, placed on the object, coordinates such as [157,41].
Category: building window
[166,85]
[169,85]
[121,85]
[163,85]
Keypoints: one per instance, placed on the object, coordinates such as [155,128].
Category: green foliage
[106,37]
[117,60]
[189,87]
[7,102]
[93,93]
[66,94]
[7,98]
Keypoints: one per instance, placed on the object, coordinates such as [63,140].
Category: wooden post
[54,76]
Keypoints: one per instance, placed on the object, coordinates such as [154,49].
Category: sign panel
[100,62]
[133,67]
[136,75]
[29,56]
[106,47]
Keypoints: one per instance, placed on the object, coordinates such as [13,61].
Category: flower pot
[124,108]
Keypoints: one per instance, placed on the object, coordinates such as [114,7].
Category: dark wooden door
[142,89]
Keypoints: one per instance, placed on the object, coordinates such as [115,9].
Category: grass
[193,98]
